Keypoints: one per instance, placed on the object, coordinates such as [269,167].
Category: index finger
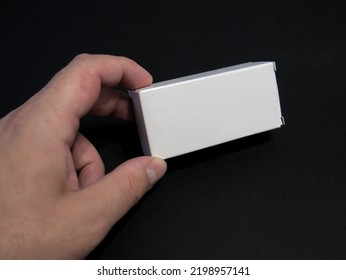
[75,89]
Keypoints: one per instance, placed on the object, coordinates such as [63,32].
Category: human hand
[55,200]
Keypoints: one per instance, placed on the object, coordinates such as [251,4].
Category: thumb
[111,197]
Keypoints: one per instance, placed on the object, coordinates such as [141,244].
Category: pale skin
[55,200]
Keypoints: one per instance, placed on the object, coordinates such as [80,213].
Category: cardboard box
[194,112]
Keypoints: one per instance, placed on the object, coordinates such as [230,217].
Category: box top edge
[237,67]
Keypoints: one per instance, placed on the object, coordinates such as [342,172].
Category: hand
[55,200]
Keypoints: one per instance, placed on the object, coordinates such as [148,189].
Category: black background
[275,195]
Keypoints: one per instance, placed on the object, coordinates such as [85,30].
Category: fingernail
[155,170]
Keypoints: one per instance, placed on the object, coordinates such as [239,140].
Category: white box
[194,112]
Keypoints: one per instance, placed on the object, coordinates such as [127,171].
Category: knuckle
[126,60]
[82,57]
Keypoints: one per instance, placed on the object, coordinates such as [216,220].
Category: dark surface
[276,195]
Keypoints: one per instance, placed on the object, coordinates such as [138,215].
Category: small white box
[182,115]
